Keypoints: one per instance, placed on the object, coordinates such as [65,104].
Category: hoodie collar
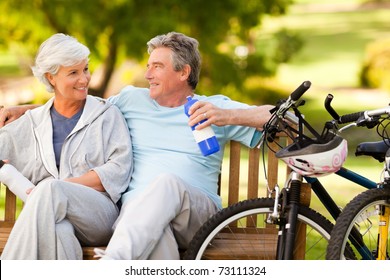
[93,108]
[43,130]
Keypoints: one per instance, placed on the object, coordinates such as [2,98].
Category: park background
[253,51]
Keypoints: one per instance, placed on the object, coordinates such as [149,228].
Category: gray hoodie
[100,141]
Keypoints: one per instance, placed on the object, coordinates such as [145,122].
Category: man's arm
[12,113]
[253,117]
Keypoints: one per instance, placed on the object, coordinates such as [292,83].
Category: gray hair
[185,51]
[58,50]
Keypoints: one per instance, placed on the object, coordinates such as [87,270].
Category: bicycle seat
[376,150]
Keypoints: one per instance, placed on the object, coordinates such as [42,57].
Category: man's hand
[201,111]
[12,113]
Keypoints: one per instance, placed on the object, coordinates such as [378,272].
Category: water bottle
[14,180]
[205,137]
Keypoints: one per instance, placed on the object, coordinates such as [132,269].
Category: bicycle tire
[356,214]
[202,245]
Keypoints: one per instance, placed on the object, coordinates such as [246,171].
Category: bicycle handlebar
[299,91]
[329,108]
[348,118]
[292,99]
[367,118]
[281,111]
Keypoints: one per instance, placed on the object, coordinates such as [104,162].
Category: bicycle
[299,231]
[368,213]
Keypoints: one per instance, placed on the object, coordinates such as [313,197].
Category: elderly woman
[76,151]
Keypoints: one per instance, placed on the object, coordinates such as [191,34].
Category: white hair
[58,50]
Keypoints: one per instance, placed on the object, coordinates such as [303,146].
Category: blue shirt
[62,126]
[163,142]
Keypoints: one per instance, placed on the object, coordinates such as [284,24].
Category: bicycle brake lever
[373,122]
[347,126]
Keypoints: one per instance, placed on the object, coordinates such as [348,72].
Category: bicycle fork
[289,218]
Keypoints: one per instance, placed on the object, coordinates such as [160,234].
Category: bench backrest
[243,170]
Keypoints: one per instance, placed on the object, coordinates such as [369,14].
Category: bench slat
[234,172]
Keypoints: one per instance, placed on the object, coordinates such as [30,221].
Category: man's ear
[185,72]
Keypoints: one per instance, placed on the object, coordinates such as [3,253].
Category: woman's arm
[89,179]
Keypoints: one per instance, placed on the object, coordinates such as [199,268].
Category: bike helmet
[314,159]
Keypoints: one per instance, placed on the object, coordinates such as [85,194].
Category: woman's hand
[89,179]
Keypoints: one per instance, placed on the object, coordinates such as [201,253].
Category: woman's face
[71,82]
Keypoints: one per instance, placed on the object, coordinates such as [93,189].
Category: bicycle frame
[324,196]
[332,207]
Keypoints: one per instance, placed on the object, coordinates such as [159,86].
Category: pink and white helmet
[313,159]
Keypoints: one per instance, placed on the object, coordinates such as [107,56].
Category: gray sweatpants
[155,222]
[57,218]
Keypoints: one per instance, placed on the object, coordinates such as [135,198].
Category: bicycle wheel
[240,231]
[362,214]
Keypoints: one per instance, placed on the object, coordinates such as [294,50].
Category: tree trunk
[108,69]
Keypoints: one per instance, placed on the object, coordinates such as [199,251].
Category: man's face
[165,83]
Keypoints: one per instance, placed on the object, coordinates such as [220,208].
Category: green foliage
[375,70]
[119,29]
[9,65]
[288,44]
[264,91]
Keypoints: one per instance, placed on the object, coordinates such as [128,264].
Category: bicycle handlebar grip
[329,108]
[296,94]
[350,117]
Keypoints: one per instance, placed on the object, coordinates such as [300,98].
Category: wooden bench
[236,188]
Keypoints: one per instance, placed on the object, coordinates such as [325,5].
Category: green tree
[115,30]
[375,69]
